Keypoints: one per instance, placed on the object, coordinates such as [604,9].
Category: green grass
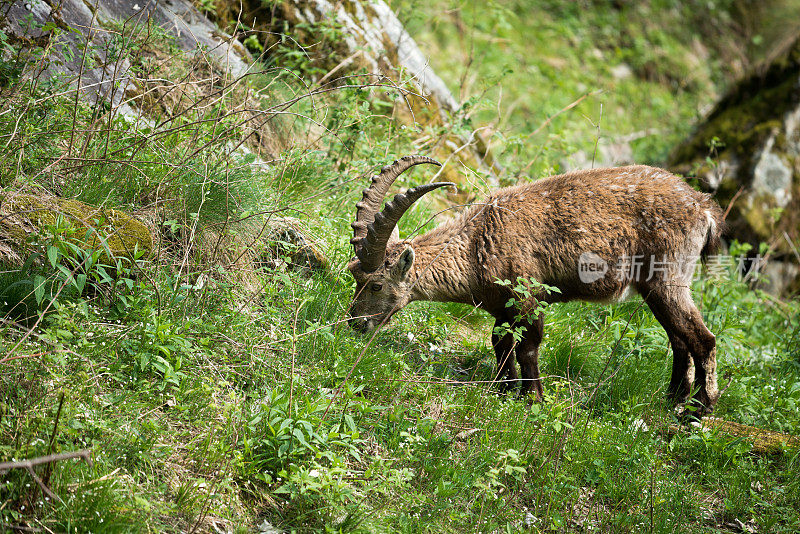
[246,398]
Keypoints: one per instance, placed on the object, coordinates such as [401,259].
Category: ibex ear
[404,263]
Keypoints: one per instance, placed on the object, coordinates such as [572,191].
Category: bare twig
[33,462]
[562,110]
[730,204]
[28,465]
[48,469]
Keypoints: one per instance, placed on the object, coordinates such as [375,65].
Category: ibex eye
[377,287]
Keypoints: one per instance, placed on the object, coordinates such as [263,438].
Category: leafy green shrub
[286,430]
[66,266]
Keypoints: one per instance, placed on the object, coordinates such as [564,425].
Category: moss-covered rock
[747,152]
[289,241]
[116,232]
[763,441]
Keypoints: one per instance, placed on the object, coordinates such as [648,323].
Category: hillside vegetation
[217,384]
[553,82]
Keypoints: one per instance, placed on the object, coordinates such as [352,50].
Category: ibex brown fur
[570,232]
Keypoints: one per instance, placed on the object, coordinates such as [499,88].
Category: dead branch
[28,465]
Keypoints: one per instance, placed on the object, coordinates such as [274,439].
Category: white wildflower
[638,425]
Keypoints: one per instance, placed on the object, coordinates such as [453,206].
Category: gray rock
[778,277]
[101,75]
[772,176]
[193,32]
[747,153]
[609,153]
[621,71]
[290,246]
[96,74]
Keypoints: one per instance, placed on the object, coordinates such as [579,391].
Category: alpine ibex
[566,231]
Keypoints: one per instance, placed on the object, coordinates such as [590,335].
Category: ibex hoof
[692,411]
[507,386]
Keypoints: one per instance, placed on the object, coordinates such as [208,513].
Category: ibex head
[382,262]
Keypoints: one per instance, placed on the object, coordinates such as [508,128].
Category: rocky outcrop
[373,40]
[370,38]
[747,152]
[84,52]
[289,246]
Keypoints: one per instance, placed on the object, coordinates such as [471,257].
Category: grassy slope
[217,405]
[641,72]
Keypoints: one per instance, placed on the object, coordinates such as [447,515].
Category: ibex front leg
[504,349]
[682,371]
[528,357]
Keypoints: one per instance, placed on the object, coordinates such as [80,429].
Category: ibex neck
[443,269]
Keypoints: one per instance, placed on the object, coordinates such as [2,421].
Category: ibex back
[594,235]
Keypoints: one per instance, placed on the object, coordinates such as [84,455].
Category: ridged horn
[373,246]
[368,208]
[370,203]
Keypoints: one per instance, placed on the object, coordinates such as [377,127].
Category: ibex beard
[561,232]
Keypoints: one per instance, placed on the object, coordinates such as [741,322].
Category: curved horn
[370,204]
[373,247]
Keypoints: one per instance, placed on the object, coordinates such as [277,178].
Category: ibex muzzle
[594,235]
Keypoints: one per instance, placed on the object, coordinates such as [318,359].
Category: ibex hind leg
[675,310]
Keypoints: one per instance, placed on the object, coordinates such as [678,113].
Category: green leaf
[298,434]
[29,261]
[80,282]
[349,421]
[38,291]
[105,278]
[285,423]
[66,272]
[52,255]
[307,426]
